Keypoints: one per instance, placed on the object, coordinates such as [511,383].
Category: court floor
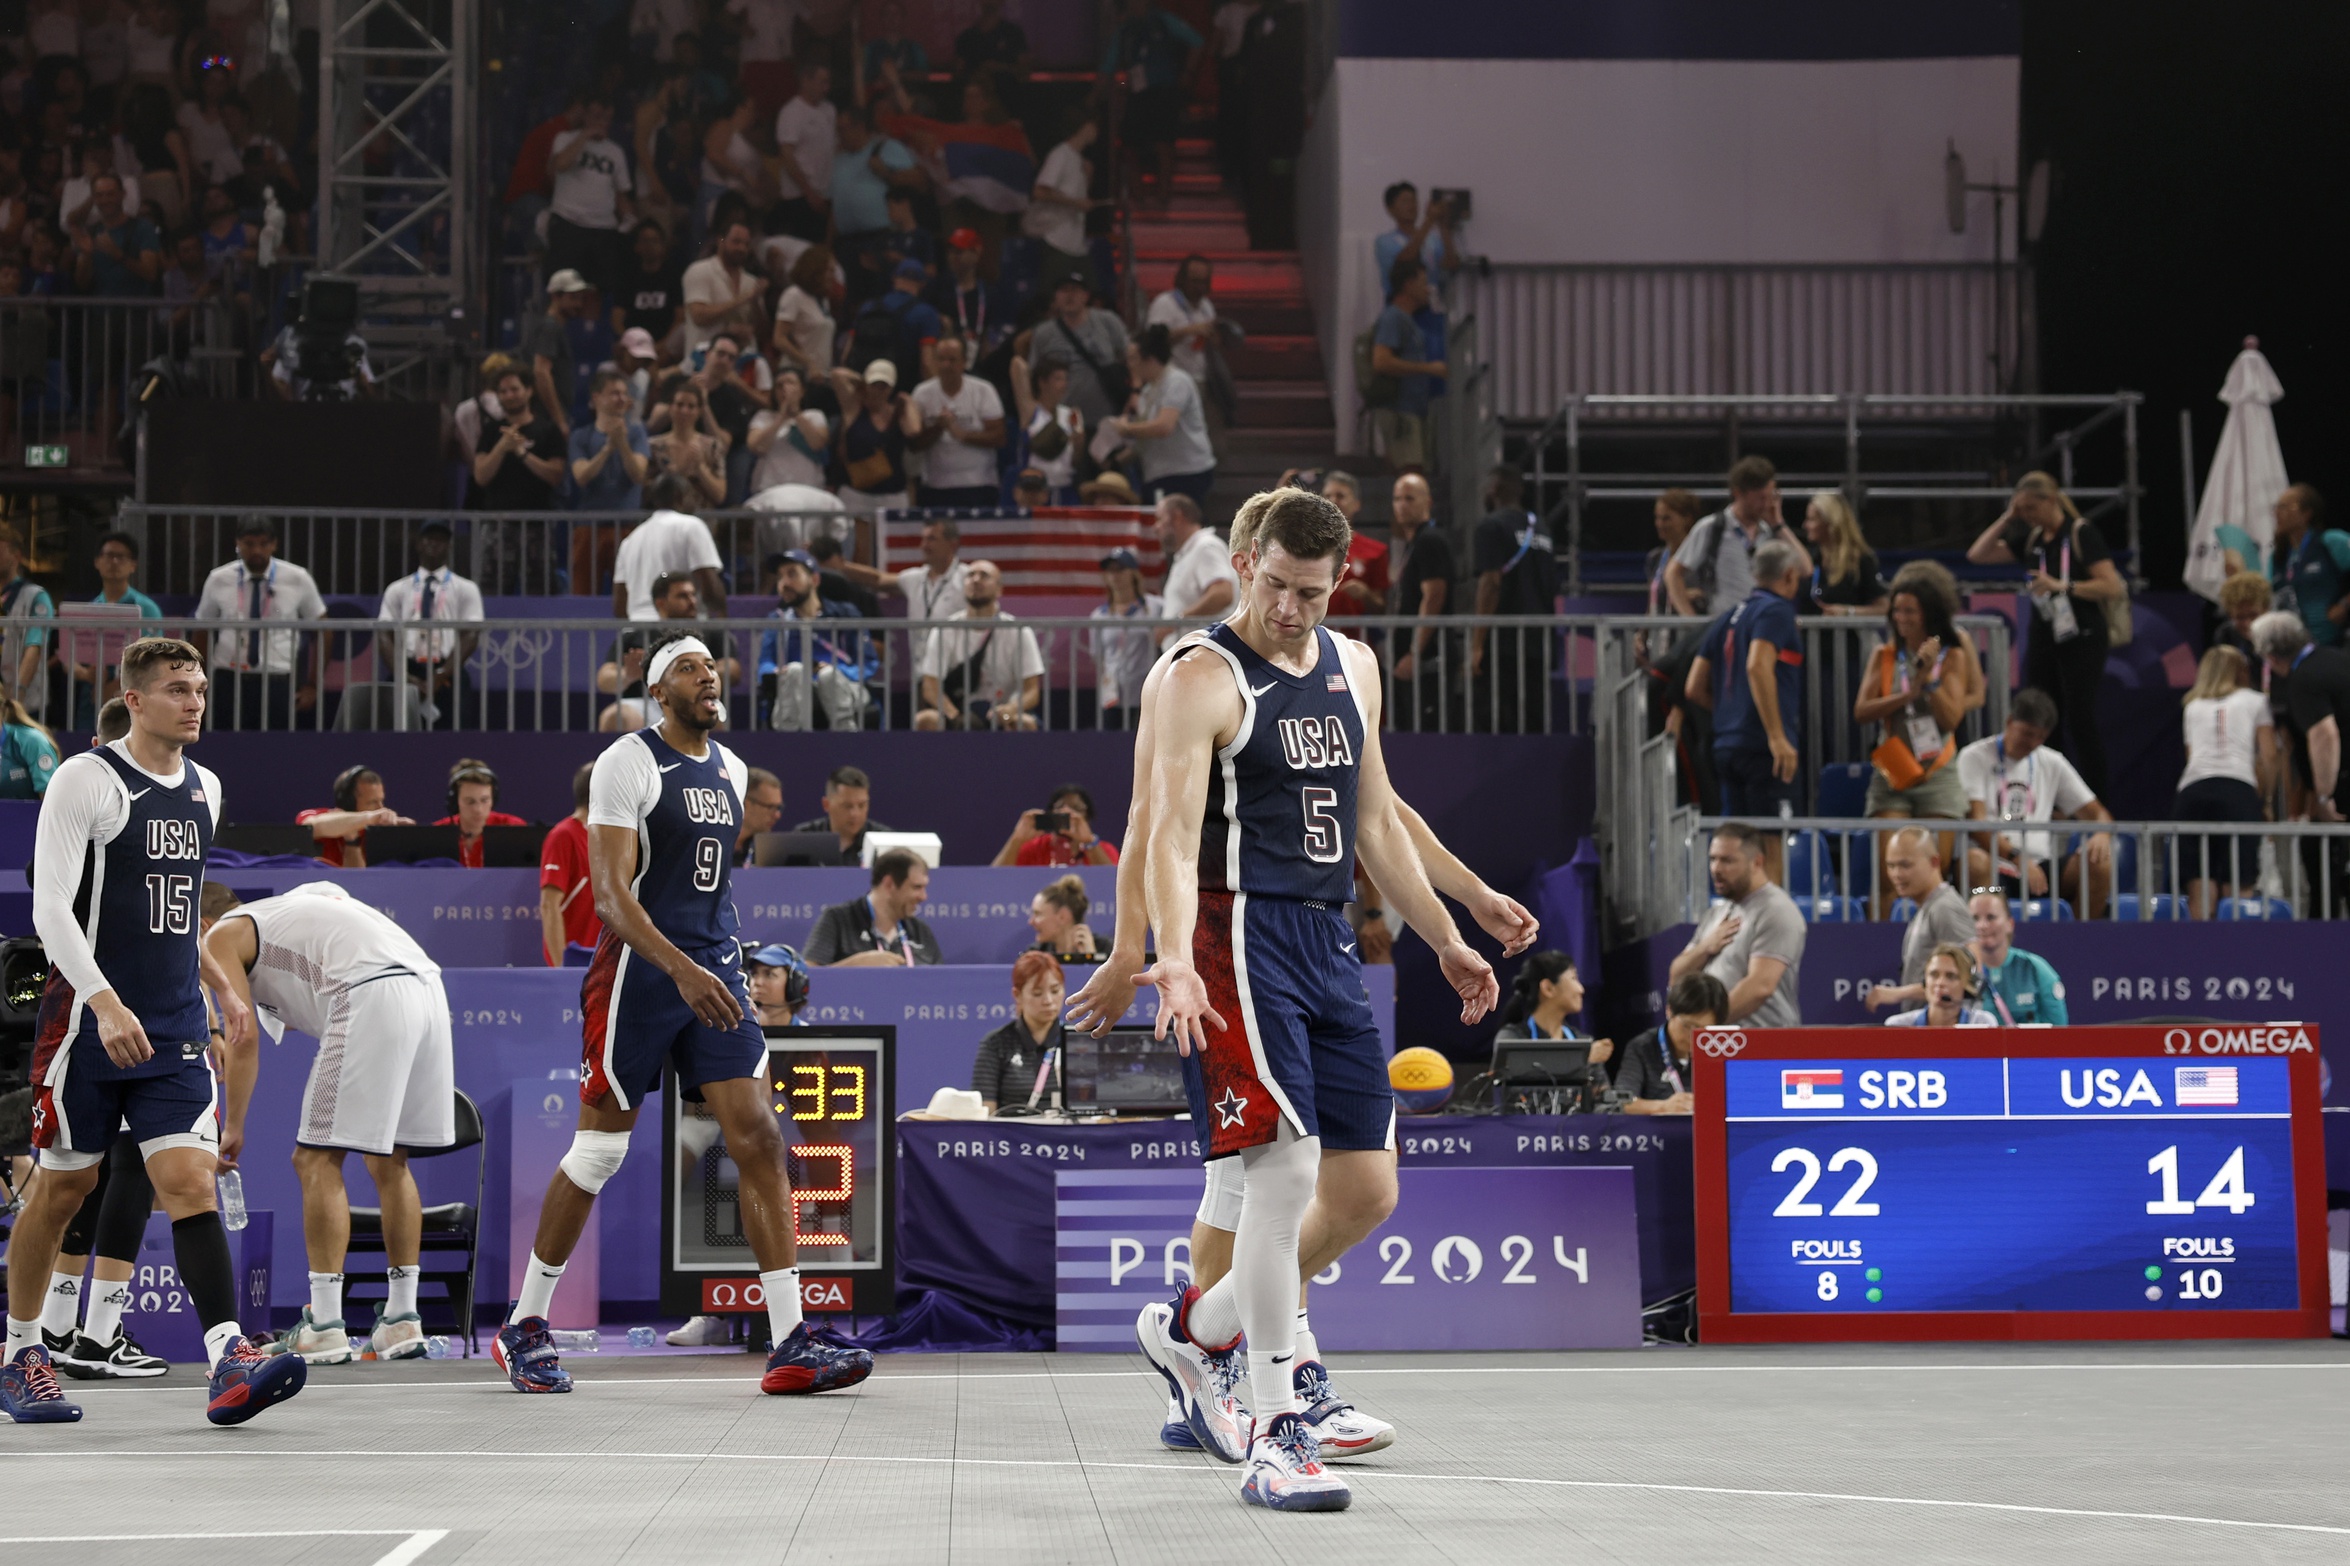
[2073,1453]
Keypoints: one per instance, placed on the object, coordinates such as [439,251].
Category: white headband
[669,653]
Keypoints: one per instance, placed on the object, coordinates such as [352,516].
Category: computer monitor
[796,848]
[512,847]
[271,840]
[1124,1072]
[395,845]
[1559,1063]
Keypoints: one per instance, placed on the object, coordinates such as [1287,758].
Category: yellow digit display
[814,1093]
[854,1091]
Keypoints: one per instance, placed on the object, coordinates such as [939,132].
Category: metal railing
[1465,425]
[71,368]
[335,674]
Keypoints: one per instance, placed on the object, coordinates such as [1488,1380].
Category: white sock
[61,1308]
[1215,1316]
[217,1340]
[1308,1351]
[1264,1267]
[538,1289]
[403,1287]
[783,1301]
[107,1302]
[326,1299]
[23,1335]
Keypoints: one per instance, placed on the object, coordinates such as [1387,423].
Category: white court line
[1355,1475]
[413,1542]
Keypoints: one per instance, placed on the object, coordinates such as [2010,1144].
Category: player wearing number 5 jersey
[1268,780]
[665,988]
[124,1040]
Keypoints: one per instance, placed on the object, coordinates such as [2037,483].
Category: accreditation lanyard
[2031,780]
[1664,1047]
[873,928]
[1991,988]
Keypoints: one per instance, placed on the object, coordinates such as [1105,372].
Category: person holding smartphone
[1059,834]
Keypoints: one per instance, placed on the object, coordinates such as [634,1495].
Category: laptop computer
[796,848]
[1124,1072]
[1559,1063]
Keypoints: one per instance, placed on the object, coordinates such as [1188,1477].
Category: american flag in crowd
[1053,552]
[2205,1085]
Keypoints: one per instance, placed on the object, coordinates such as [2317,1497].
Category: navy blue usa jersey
[686,814]
[1280,819]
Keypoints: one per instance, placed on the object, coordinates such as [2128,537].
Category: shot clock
[830,1090]
[2128,1182]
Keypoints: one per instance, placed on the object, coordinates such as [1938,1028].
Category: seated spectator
[623,674]
[1057,915]
[2231,772]
[28,753]
[568,926]
[2016,775]
[1913,863]
[118,562]
[879,930]
[1060,834]
[877,424]
[1706,576]
[258,678]
[1752,940]
[1844,577]
[2019,985]
[848,811]
[814,670]
[2243,598]
[1009,1071]
[777,977]
[433,661]
[962,429]
[1546,993]
[762,806]
[1948,988]
[473,805]
[1403,371]
[790,441]
[1051,425]
[1030,491]
[1122,659]
[611,457]
[833,580]
[1655,1076]
[979,668]
[672,541]
[2310,565]
[1749,672]
[1920,685]
[341,832]
[2310,686]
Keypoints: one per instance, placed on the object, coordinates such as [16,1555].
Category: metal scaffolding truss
[398,87]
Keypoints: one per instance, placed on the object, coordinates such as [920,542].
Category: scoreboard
[2124,1182]
[830,1090]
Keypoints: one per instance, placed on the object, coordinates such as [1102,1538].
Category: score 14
[2225,1190]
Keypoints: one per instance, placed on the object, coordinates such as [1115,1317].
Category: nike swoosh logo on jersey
[1260,690]
[1348,947]
[143,793]
[673,766]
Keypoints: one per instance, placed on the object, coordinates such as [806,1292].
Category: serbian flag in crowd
[989,165]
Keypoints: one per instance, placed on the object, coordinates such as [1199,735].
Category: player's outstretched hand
[710,997]
[1184,1012]
[1506,920]
[1471,978]
[1107,996]
[120,1033]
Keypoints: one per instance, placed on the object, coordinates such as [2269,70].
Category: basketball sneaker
[698,1332]
[250,1377]
[1176,1432]
[1285,1471]
[1340,1429]
[809,1361]
[1205,1380]
[525,1351]
[319,1342]
[397,1337]
[29,1393]
[91,1360]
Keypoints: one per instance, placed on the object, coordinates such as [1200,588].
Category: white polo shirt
[286,592]
[1204,560]
[434,596]
[667,543]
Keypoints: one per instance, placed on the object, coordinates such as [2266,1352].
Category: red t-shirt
[530,175]
[564,866]
[1362,586]
[330,849]
[1052,849]
[469,854]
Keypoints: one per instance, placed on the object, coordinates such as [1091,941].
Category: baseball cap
[882,372]
[638,341]
[963,239]
[776,956]
[1031,478]
[798,557]
[1121,560]
[567,281]
[913,269]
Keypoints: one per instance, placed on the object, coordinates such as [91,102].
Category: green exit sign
[44,456]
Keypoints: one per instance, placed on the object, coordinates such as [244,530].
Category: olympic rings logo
[1721,1044]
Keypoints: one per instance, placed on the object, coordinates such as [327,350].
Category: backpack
[1378,391]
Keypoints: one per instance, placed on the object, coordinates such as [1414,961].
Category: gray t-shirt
[1186,450]
[1941,920]
[1719,559]
[1104,337]
[1769,926]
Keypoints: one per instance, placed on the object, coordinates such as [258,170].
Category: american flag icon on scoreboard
[2205,1085]
[1813,1089]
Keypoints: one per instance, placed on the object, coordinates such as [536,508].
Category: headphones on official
[795,975]
[471,772]
[347,786]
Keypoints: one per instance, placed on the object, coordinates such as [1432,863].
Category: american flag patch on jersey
[1336,682]
[195,796]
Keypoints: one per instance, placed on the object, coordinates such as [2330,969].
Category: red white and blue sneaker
[525,1351]
[810,1361]
[1176,1432]
[249,1378]
[1340,1429]
[29,1393]
[1285,1471]
[1205,1379]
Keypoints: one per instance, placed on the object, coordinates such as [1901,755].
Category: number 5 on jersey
[1325,839]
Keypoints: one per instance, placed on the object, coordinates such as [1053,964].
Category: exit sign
[44,456]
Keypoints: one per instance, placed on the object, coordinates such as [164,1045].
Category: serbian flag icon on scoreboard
[2209,1086]
[1812,1089]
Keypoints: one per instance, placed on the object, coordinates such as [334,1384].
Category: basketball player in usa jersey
[1268,780]
[664,988]
[124,1037]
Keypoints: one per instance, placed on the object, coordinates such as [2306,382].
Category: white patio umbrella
[2247,473]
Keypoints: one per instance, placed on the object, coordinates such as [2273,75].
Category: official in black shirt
[1005,1072]
[1517,573]
[879,930]
[2311,688]
[1656,1068]
[1426,582]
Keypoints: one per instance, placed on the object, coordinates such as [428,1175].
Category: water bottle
[585,1342]
[232,1200]
[438,1348]
[640,1337]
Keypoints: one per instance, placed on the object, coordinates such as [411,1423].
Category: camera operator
[306,365]
[1059,835]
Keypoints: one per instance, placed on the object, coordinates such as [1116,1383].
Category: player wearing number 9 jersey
[665,989]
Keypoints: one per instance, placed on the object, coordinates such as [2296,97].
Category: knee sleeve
[1219,1204]
[594,1158]
[83,1226]
[129,1198]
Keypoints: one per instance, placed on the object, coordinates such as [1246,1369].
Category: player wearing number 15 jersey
[665,988]
[124,1039]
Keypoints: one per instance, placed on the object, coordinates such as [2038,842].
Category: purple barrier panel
[1494,1258]
[462,918]
[544,1114]
[159,1314]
